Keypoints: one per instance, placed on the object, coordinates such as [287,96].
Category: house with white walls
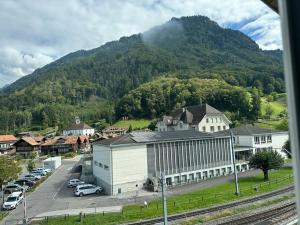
[204,118]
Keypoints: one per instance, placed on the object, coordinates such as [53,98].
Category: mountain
[187,47]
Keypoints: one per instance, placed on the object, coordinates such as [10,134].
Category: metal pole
[24,206]
[236,184]
[290,23]
[164,198]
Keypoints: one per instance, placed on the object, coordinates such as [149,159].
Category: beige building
[204,118]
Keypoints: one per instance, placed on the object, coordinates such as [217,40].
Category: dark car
[21,182]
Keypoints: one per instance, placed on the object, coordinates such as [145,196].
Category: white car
[87,189]
[42,170]
[75,182]
[13,201]
[32,177]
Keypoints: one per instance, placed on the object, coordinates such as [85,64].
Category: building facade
[6,144]
[27,146]
[202,118]
[137,160]
[258,139]
[79,128]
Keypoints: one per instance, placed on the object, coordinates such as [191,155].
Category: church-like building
[79,128]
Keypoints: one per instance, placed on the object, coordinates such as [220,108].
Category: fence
[174,206]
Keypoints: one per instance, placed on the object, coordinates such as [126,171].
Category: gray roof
[194,114]
[247,130]
[150,137]
[79,126]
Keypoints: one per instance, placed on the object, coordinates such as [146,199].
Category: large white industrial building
[136,160]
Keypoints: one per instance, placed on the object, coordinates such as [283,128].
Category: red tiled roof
[29,140]
[82,138]
[71,139]
[8,137]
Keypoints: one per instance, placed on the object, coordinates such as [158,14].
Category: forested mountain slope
[188,47]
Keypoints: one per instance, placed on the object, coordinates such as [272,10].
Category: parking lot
[54,195]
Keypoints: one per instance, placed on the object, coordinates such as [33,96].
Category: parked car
[28,183]
[42,170]
[75,182]
[86,189]
[12,188]
[32,177]
[39,173]
[13,200]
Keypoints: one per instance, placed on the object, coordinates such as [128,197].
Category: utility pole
[237,192]
[24,206]
[164,198]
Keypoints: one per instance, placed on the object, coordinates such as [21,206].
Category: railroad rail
[213,209]
[272,216]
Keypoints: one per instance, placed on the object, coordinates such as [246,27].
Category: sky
[34,33]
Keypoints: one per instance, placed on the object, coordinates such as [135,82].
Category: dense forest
[90,83]
[154,99]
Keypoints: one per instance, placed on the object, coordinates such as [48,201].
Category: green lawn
[199,199]
[136,124]
[2,215]
[278,106]
[272,124]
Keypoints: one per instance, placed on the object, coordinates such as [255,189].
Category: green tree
[30,165]
[9,169]
[269,110]
[287,147]
[284,125]
[266,160]
[130,128]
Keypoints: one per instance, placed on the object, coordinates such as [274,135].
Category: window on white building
[269,139]
[263,139]
[256,140]
[204,128]
[100,165]
[212,128]
[224,127]
[106,167]
[207,120]
[219,128]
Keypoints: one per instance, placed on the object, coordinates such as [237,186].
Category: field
[199,199]
[136,124]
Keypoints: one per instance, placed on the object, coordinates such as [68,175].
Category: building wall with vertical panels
[184,156]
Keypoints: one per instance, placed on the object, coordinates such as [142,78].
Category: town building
[79,128]
[136,160]
[258,139]
[26,146]
[110,132]
[62,144]
[6,144]
[204,118]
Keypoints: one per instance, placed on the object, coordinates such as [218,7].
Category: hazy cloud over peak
[34,33]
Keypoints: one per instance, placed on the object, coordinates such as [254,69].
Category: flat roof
[150,137]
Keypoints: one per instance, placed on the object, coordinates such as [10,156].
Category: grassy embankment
[277,107]
[198,199]
[135,124]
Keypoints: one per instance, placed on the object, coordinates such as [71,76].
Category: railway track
[213,209]
[273,216]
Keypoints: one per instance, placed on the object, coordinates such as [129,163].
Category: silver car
[12,188]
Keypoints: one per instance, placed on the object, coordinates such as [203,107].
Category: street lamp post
[237,192]
[164,199]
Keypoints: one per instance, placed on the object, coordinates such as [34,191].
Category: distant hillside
[188,47]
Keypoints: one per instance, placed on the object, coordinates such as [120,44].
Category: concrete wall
[129,168]
[102,158]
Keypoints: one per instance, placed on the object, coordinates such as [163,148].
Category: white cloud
[33,34]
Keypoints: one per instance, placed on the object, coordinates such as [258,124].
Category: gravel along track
[215,209]
[272,216]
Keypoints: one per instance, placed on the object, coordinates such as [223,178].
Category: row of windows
[212,120]
[263,139]
[212,128]
[99,164]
